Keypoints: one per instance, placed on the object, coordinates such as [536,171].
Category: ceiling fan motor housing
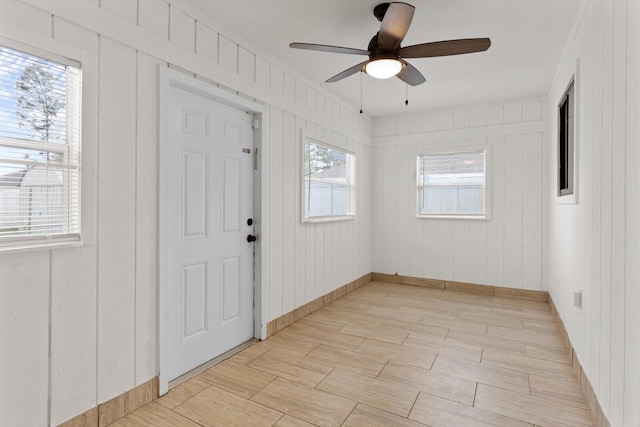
[376,53]
[380,10]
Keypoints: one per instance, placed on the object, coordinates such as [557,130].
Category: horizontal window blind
[451,183]
[39,149]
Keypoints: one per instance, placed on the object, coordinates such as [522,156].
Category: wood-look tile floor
[390,355]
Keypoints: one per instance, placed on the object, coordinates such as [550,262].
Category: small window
[566,118]
[329,182]
[452,184]
[39,149]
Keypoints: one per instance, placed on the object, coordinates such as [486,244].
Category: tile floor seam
[186,418]
[397,307]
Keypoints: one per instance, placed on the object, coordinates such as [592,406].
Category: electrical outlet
[577,299]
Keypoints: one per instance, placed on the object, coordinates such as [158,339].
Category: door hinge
[255,158]
[255,124]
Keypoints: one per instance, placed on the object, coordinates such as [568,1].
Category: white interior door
[209,202]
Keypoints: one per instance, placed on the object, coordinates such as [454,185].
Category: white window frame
[72,146]
[351,183]
[486,215]
[568,195]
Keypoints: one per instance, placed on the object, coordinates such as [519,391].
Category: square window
[329,182]
[452,184]
[39,149]
[566,120]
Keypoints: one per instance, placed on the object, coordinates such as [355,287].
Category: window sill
[567,199]
[328,219]
[39,246]
[469,217]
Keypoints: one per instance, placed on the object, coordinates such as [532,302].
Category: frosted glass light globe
[383,68]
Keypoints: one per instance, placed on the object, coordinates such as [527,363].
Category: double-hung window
[39,148]
[452,184]
[329,182]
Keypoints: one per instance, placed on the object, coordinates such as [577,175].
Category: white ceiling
[528,38]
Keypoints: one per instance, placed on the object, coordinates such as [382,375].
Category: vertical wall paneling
[445,249]
[594,160]
[618,213]
[477,252]
[344,265]
[585,237]
[461,251]
[513,212]
[417,242]
[497,251]
[277,79]
[300,93]
[116,219]
[310,261]
[206,42]
[495,227]
[461,119]
[153,16]
[495,114]
[605,166]
[330,277]
[378,250]
[146,309]
[73,365]
[227,54]
[73,308]
[532,210]
[289,87]
[388,206]
[632,271]
[319,260]
[290,139]
[24,282]
[263,73]
[246,64]
[531,111]
[478,116]
[26,16]
[512,112]
[403,218]
[182,29]
[299,256]
[276,129]
[597,238]
[127,10]
[445,120]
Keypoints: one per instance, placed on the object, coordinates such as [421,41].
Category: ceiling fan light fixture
[383,68]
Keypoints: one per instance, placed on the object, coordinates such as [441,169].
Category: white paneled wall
[78,326]
[505,250]
[594,245]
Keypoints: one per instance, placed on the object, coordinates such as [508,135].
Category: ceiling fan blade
[347,72]
[410,75]
[328,48]
[395,25]
[445,48]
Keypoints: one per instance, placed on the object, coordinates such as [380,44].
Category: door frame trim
[171,78]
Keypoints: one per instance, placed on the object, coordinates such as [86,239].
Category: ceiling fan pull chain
[406,95]
[360,91]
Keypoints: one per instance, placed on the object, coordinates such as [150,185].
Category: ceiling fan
[386,56]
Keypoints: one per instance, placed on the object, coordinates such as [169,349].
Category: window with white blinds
[452,184]
[329,182]
[39,148]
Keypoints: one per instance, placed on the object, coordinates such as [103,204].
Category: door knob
[251,238]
